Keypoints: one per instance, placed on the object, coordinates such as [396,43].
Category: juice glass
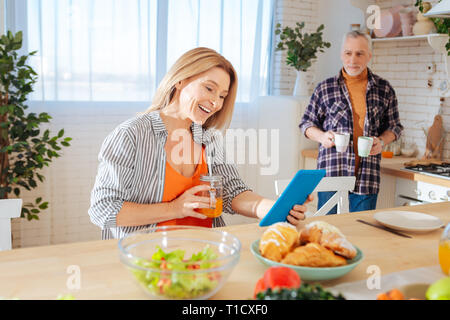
[444,250]
[214,194]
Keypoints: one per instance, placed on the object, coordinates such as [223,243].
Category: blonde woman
[147,177]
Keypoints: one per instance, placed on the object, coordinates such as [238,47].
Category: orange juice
[214,194]
[213,212]
[444,256]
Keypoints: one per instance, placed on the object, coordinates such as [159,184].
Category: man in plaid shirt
[360,103]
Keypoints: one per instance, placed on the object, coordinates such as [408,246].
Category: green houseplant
[442,24]
[301,48]
[24,151]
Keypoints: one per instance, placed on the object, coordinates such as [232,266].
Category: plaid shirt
[330,109]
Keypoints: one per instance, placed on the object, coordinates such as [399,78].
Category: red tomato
[259,287]
[277,277]
[281,277]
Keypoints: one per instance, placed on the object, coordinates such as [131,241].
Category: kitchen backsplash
[404,65]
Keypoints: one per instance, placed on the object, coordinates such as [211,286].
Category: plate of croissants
[319,251]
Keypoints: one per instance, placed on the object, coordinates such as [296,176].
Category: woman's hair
[190,64]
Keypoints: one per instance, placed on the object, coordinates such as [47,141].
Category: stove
[418,192]
[436,170]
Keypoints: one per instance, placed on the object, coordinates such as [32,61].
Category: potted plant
[301,49]
[24,151]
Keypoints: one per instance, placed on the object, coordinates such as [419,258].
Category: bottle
[215,195]
[355,27]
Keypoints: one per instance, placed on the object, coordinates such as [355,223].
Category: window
[118,50]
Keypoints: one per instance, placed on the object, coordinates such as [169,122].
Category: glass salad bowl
[180,262]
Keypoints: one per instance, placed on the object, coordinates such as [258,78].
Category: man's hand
[327,139]
[376,146]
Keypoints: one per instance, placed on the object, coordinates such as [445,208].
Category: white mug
[364,146]
[341,141]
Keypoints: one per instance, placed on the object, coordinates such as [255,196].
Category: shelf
[421,37]
[436,40]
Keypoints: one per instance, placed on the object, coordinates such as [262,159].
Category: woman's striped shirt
[132,165]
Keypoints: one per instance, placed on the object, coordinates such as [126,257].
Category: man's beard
[353,73]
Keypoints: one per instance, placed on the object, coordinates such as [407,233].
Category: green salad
[168,282]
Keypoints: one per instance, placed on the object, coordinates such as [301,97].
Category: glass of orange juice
[444,250]
[214,194]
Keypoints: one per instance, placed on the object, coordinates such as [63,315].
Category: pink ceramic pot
[390,23]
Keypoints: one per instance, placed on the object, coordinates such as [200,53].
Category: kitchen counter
[43,272]
[394,167]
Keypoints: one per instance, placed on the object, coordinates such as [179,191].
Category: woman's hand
[297,213]
[184,205]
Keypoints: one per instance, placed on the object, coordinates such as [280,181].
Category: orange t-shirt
[357,86]
[175,184]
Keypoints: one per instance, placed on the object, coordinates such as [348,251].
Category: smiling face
[203,95]
[355,55]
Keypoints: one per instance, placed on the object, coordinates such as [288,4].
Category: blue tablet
[297,191]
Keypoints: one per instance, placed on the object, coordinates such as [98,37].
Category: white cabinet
[386,195]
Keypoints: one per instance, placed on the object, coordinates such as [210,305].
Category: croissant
[278,240]
[313,255]
[328,236]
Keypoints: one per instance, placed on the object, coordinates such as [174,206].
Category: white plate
[408,221]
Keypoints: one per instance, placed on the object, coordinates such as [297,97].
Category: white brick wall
[403,64]
[287,13]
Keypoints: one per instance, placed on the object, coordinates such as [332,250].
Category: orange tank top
[175,184]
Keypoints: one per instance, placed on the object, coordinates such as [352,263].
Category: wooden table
[44,272]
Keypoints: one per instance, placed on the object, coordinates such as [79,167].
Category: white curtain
[2,17]
[118,50]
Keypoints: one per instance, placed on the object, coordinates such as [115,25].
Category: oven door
[409,193]
[403,200]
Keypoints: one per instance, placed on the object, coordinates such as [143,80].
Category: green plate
[312,273]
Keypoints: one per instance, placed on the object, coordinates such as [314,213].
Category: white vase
[301,85]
